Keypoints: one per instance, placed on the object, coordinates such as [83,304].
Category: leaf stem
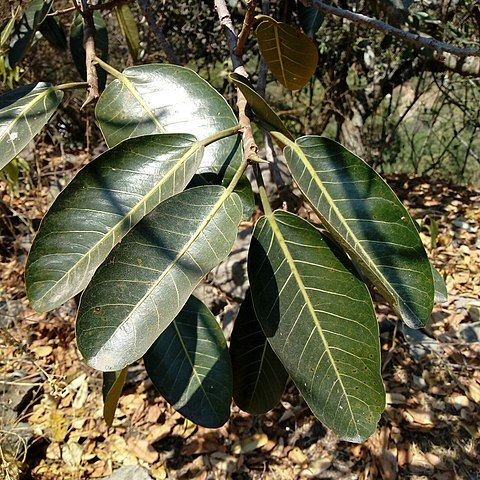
[228,132]
[267,209]
[237,176]
[71,86]
[108,68]
[282,140]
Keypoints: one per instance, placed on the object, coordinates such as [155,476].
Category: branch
[250,147]
[89,44]
[167,48]
[247,26]
[444,51]
[100,6]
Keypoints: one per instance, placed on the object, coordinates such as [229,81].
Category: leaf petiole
[267,209]
[72,86]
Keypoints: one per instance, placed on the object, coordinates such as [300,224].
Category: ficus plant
[140,226]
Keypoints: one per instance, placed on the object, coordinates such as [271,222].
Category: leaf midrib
[370,264]
[174,262]
[131,88]
[193,150]
[279,51]
[291,262]
[197,377]
[24,112]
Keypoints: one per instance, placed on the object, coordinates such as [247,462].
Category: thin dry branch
[89,44]
[249,145]
[247,27]
[165,44]
[461,60]
[409,37]
[100,6]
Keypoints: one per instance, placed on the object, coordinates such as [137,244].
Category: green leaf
[259,378]
[368,220]
[310,18]
[113,383]
[23,113]
[8,28]
[267,117]
[291,56]
[101,45]
[53,31]
[441,292]
[145,281]
[25,29]
[190,366]
[318,317]
[156,98]
[128,26]
[100,205]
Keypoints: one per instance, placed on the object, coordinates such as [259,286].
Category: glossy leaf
[23,113]
[166,98]
[190,366]
[367,219]
[100,205]
[259,377]
[267,117]
[147,279]
[25,29]
[53,31]
[441,292]
[129,28]
[310,18]
[319,319]
[101,45]
[113,383]
[291,56]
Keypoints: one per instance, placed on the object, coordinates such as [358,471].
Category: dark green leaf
[101,204]
[145,281]
[101,45]
[259,377]
[113,383]
[367,219]
[318,317]
[129,28]
[25,29]
[53,31]
[167,98]
[267,117]
[291,56]
[190,366]
[310,18]
[23,113]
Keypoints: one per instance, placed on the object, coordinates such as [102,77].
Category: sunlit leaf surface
[147,279]
[368,220]
[319,319]
[167,98]
[99,206]
[23,113]
[291,56]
